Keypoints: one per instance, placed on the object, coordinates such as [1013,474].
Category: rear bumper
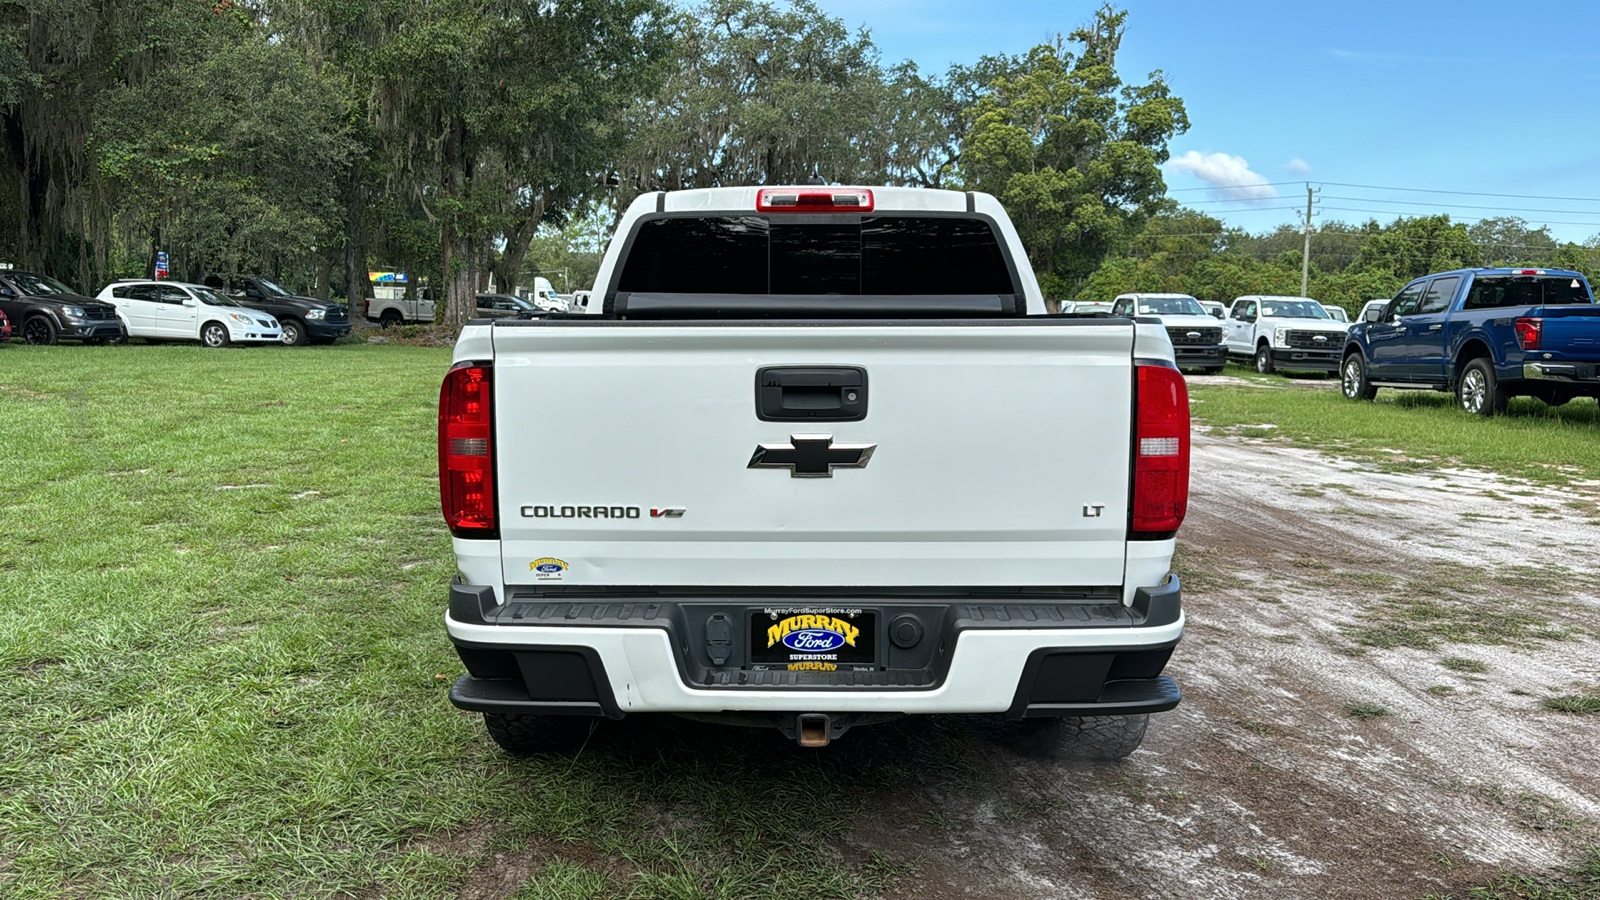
[1023,660]
[1582,373]
[1310,360]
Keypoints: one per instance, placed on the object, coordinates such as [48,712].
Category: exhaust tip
[814,730]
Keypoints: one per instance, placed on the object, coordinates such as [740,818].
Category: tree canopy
[479,141]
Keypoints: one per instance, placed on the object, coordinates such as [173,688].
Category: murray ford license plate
[819,638]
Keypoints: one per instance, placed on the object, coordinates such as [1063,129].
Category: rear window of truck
[866,255]
[1497,291]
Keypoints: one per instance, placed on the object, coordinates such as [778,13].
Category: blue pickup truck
[1486,334]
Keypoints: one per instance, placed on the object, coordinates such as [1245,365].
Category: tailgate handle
[811,393]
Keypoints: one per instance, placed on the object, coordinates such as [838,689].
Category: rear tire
[1264,360]
[525,735]
[1479,392]
[1353,381]
[214,335]
[389,319]
[1101,738]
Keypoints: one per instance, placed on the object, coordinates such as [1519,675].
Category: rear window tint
[1498,291]
[875,255]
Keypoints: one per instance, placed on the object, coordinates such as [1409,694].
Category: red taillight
[1529,333]
[1529,272]
[817,199]
[466,460]
[1161,452]
[366,308]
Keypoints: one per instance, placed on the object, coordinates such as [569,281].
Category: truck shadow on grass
[663,806]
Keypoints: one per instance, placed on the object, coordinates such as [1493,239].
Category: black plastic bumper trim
[1118,698]
[1310,360]
[503,679]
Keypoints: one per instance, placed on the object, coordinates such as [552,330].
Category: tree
[759,94]
[1413,247]
[228,158]
[1074,154]
[1508,241]
[522,90]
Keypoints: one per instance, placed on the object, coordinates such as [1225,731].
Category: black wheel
[294,333]
[1264,360]
[389,319]
[39,330]
[525,735]
[1106,738]
[1479,392]
[1353,379]
[119,339]
[214,334]
[1212,370]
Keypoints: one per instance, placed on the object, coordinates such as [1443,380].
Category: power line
[1384,187]
[1404,214]
[1379,187]
[1576,212]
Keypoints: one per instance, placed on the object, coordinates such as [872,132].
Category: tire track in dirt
[1258,785]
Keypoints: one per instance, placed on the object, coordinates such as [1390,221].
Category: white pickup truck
[1284,333]
[823,461]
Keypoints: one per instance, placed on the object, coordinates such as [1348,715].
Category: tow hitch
[813,730]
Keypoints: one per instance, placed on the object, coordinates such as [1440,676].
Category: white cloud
[1297,166]
[1229,176]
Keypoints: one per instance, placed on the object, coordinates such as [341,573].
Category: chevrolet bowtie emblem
[811,455]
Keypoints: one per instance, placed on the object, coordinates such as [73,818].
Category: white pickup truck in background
[834,465]
[1196,336]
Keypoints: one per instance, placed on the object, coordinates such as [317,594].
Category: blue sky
[1469,96]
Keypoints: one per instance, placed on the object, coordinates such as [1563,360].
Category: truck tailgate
[1571,331]
[1000,455]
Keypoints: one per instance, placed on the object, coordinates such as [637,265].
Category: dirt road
[1444,605]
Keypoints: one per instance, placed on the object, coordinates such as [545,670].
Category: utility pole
[1306,250]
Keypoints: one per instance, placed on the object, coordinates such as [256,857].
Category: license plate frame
[813,637]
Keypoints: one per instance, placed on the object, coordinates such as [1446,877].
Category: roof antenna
[816,179]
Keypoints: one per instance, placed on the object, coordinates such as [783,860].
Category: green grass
[1586,703]
[1582,883]
[1463,664]
[1365,710]
[223,666]
[1531,441]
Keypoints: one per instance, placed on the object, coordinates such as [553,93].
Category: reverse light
[466,459]
[1161,448]
[814,199]
[1530,332]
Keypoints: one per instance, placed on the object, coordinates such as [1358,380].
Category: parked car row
[395,307]
[226,310]
[1487,335]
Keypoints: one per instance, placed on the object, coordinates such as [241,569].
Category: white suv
[1195,334]
[172,310]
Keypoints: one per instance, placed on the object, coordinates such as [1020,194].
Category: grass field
[223,666]
[1531,441]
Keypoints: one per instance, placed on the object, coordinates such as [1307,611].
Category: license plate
[820,638]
